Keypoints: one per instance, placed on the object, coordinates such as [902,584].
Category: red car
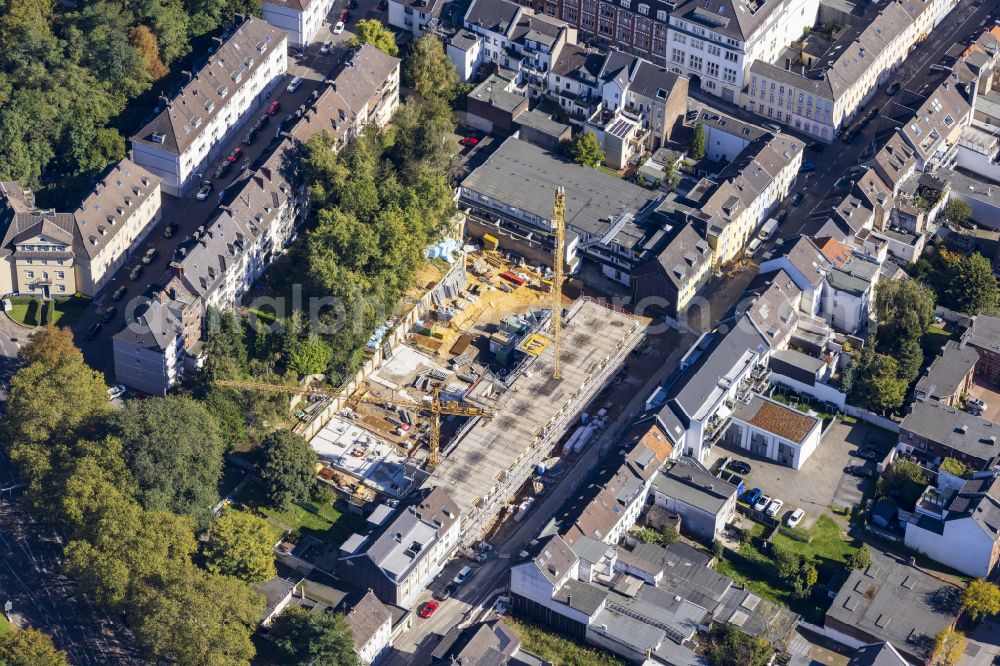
[274,108]
[429,609]
[235,155]
[345,14]
[470,141]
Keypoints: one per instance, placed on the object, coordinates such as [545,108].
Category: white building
[705,503]
[371,626]
[414,16]
[959,529]
[301,19]
[181,143]
[149,352]
[715,44]
[768,429]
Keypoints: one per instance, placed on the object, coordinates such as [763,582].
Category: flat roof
[481,457]
[773,417]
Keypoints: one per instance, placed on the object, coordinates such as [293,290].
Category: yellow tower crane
[558,219]
[436,407]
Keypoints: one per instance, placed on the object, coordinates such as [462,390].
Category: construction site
[477,393]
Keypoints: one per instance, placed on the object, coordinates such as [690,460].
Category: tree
[143,39]
[730,646]
[585,149]
[288,468]
[972,288]
[981,598]
[949,646]
[957,211]
[904,309]
[310,356]
[50,345]
[198,618]
[904,481]
[241,545]
[429,71]
[301,638]
[174,449]
[860,559]
[698,142]
[374,32]
[30,647]
[877,384]
[910,356]
[955,466]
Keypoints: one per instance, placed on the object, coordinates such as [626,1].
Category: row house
[818,101]
[934,130]
[301,19]
[400,556]
[949,376]
[935,431]
[415,16]
[45,253]
[180,143]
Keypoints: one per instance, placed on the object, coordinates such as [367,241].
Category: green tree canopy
[957,210]
[904,309]
[301,638]
[585,149]
[876,383]
[981,599]
[241,545]
[429,71]
[30,647]
[310,356]
[729,646]
[698,142]
[174,449]
[861,558]
[904,481]
[288,467]
[973,288]
[949,646]
[374,32]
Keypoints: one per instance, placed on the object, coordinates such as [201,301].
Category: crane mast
[558,219]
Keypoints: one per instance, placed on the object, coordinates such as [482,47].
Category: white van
[294,84]
[768,229]
[753,247]
[462,575]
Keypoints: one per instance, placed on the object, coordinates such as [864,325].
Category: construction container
[461,344]
[490,242]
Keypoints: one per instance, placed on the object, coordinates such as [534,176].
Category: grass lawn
[829,547]
[559,650]
[4,625]
[933,340]
[320,521]
[28,311]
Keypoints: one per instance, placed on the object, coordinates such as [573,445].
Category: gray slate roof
[952,427]
[694,486]
[948,370]
[984,333]
[365,619]
[877,654]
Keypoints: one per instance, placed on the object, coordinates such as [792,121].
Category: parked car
[136,272]
[871,115]
[119,292]
[429,609]
[462,575]
[892,88]
[774,127]
[150,255]
[470,141]
[753,247]
[339,28]
[109,313]
[353,4]
[116,391]
[978,403]
[235,155]
[294,84]
[446,593]
[797,198]
[273,108]
[795,517]
[870,454]
[859,470]
[774,508]
[221,169]
[762,503]
[817,146]
[94,329]
[739,467]
[204,190]
[807,167]
[327,46]
[169,230]
[345,14]
[752,496]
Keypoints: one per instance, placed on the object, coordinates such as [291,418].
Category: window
[729,75]
[661,15]
[714,50]
[678,56]
[713,70]
[644,10]
[732,56]
[698,44]
[29,274]
[679,38]
[695,62]
[626,4]
[60,274]
[62,287]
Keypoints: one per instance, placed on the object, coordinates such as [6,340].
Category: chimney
[177,269]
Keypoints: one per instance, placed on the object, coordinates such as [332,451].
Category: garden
[557,649]
[33,311]
[316,518]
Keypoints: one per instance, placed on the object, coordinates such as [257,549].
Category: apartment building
[149,351]
[402,556]
[934,130]
[935,431]
[705,503]
[768,429]
[182,141]
[47,254]
[415,16]
[371,627]
[301,19]
[716,44]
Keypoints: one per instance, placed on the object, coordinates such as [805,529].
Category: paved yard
[990,394]
[983,646]
[820,482]
[810,649]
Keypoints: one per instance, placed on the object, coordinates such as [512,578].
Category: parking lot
[821,482]
[990,394]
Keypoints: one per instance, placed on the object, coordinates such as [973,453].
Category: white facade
[377,646]
[411,17]
[301,19]
[696,519]
[147,367]
[963,545]
[776,446]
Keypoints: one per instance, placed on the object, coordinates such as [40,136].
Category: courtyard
[820,485]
